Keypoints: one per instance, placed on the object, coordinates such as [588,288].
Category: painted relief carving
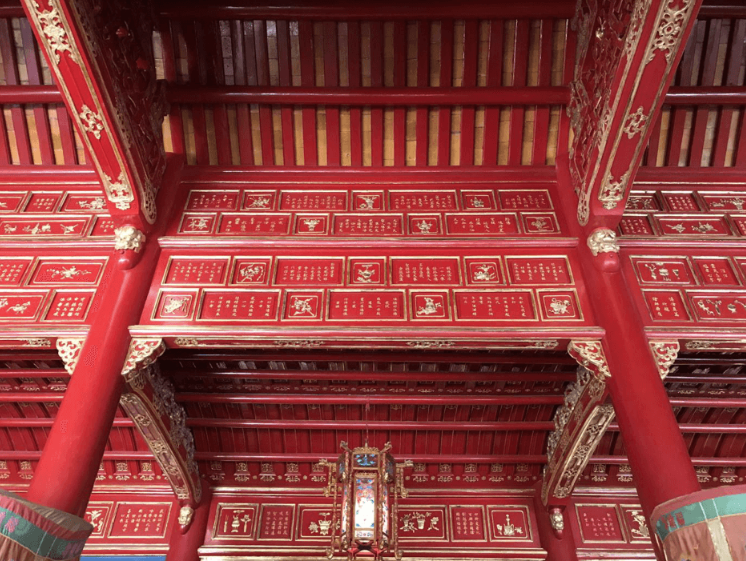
[129,238]
[602,240]
[118,192]
[590,355]
[419,521]
[54,33]
[670,25]
[69,351]
[92,122]
[142,353]
[151,404]
[664,353]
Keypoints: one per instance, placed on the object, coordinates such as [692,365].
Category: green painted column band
[701,511]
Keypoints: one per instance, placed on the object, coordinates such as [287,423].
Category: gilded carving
[185,515]
[162,423]
[69,351]
[602,240]
[421,345]
[612,191]
[55,36]
[557,520]
[635,123]
[585,443]
[91,121]
[118,192]
[590,355]
[670,25]
[664,353]
[142,353]
[39,342]
[301,344]
[128,238]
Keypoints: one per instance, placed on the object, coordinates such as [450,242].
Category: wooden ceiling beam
[101,56]
[434,400]
[379,376]
[307,424]
[371,96]
[383,10]
[617,96]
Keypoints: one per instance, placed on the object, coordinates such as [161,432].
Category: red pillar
[559,544]
[185,546]
[67,469]
[655,447]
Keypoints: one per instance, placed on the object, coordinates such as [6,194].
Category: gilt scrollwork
[69,351]
[664,353]
[142,353]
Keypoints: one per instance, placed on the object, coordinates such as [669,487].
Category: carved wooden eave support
[579,425]
[627,52]
[665,354]
[149,401]
[101,55]
[69,351]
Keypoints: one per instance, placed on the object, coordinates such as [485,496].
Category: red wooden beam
[318,375]
[434,400]
[702,428]
[384,10]
[711,462]
[35,373]
[25,423]
[29,397]
[305,424]
[717,402]
[109,455]
[534,95]
[423,458]
[29,94]
[712,95]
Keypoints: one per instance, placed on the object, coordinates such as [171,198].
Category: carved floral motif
[142,353]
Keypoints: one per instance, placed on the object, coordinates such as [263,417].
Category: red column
[655,447]
[184,546]
[67,469]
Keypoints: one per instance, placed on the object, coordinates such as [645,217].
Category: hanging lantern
[366,484]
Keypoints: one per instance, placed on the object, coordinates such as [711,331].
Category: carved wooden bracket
[579,423]
[101,55]
[69,351]
[626,55]
[664,353]
[149,401]
[142,353]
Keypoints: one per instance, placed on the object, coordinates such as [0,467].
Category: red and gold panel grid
[340,288]
[141,520]
[468,523]
[599,523]
[53,215]
[422,523]
[276,522]
[369,213]
[235,521]
[509,523]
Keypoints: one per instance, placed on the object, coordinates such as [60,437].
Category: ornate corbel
[69,351]
[665,354]
[579,423]
[590,355]
[142,353]
[602,240]
[150,403]
[557,521]
[129,243]
[186,515]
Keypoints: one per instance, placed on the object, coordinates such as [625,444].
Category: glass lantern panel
[385,509]
[365,507]
[366,460]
